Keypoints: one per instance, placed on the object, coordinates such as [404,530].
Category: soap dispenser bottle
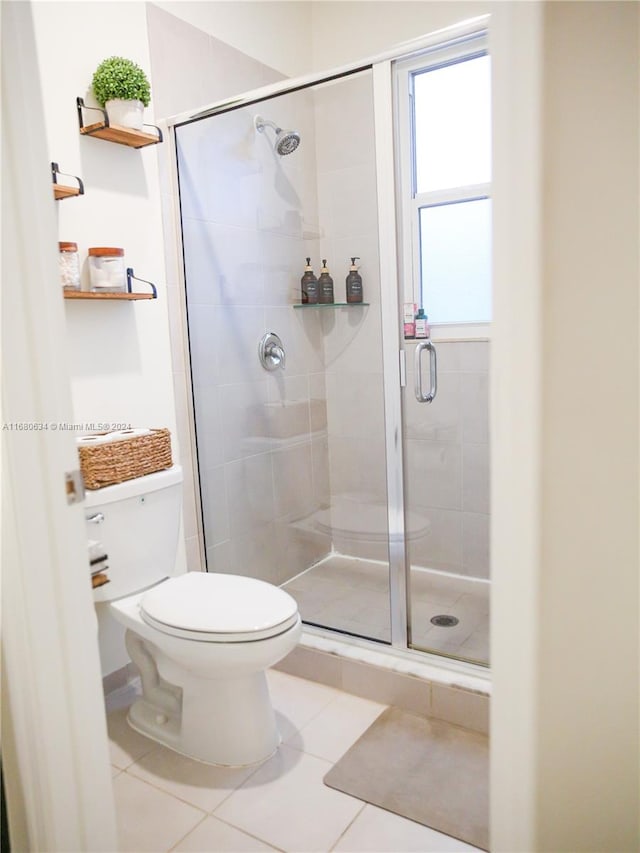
[354,283]
[309,285]
[325,285]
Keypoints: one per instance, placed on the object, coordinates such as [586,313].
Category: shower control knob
[271,351]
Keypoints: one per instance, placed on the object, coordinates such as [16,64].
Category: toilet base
[206,700]
[227,721]
[224,743]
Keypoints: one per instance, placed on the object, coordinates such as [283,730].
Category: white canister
[69,266]
[107,271]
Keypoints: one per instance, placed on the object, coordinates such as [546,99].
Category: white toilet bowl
[202,643]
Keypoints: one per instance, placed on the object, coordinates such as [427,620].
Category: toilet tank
[137,523]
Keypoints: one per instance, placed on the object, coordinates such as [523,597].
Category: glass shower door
[447,500]
[291,461]
[444,120]
[347,590]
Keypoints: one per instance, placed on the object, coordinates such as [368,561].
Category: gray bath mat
[425,770]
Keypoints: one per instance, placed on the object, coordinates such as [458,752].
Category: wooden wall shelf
[115,132]
[84,294]
[60,192]
[120,135]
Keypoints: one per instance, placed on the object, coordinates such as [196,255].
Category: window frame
[410,202]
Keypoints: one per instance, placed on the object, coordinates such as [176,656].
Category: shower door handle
[421,397]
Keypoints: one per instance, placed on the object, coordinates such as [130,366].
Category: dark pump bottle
[354,283]
[325,285]
[309,285]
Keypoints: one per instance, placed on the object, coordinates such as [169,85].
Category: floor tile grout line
[349,825]
[193,828]
[244,781]
[164,791]
[320,710]
[250,834]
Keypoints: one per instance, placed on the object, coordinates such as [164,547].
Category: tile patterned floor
[166,802]
[352,595]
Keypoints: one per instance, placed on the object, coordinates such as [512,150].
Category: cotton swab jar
[107,269]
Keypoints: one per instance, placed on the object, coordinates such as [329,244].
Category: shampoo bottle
[422,325]
[354,283]
[325,285]
[309,285]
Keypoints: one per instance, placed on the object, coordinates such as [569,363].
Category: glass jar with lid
[69,266]
[107,270]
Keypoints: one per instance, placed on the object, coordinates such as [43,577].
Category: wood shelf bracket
[62,191]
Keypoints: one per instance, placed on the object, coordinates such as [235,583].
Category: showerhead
[286,140]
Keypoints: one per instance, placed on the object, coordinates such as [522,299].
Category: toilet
[201,641]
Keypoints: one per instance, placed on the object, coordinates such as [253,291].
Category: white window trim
[409,204]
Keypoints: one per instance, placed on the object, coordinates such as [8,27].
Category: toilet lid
[218,608]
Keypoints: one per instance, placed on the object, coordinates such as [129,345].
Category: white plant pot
[125,113]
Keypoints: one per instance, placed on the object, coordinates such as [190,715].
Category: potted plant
[122,88]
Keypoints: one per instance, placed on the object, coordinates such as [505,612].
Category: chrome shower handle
[276,353]
[421,397]
[271,351]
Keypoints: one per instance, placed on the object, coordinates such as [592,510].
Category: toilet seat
[218,608]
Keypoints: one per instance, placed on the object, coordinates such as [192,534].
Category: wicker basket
[107,464]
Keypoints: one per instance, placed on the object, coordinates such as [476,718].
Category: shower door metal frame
[393,354]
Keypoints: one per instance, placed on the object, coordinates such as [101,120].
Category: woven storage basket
[107,464]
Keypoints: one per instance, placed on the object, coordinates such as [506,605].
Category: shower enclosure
[319,469]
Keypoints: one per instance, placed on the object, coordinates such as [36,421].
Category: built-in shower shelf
[330,304]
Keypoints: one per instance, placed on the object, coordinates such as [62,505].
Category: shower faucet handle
[271,351]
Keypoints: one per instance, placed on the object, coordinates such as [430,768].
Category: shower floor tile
[352,596]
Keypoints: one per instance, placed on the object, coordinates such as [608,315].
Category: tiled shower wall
[261,436]
[347,198]
[447,462]
[189,69]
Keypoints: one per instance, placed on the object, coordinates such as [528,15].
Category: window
[444,142]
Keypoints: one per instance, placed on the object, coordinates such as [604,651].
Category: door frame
[392,227]
[55,753]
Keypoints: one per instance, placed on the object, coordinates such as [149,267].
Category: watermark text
[64,426]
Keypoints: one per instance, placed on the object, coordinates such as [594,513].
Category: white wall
[275,33]
[119,353]
[346,31]
[313,35]
[564,724]
[587,701]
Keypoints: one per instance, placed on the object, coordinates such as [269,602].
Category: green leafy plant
[117,77]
